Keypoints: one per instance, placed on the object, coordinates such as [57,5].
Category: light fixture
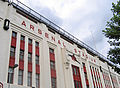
[6,24]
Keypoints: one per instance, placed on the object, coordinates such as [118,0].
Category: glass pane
[22,37]
[30,41]
[37,44]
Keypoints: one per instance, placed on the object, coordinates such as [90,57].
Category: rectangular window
[30,57]
[52,65]
[76,74]
[22,38]
[29,80]
[14,34]
[12,51]
[37,59]
[37,81]
[29,41]
[36,44]
[10,75]
[53,82]
[51,50]
[20,77]
[21,55]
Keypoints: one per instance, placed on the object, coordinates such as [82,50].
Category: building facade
[47,56]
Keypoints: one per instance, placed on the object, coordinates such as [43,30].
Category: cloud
[83,18]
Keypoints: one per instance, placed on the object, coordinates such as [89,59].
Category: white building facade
[46,57]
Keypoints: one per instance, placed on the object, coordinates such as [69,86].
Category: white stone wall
[63,61]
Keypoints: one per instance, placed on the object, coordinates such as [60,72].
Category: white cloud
[79,17]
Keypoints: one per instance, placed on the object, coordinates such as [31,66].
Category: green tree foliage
[112,31]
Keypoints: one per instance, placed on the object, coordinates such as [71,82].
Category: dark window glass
[36,44]
[53,82]
[22,38]
[51,50]
[37,60]
[30,41]
[21,54]
[10,75]
[20,77]
[52,65]
[37,81]
[29,57]
[14,34]
[29,80]
[12,51]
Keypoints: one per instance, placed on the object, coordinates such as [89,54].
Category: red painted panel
[37,69]
[30,48]
[52,56]
[29,67]
[53,73]
[12,61]
[13,42]
[37,51]
[21,64]
[22,45]
[84,68]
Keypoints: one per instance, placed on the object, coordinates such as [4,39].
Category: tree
[112,31]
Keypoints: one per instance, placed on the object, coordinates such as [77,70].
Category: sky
[85,19]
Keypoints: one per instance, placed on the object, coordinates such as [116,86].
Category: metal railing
[17,4]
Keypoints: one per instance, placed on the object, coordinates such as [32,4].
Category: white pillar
[25,62]
[17,51]
[33,64]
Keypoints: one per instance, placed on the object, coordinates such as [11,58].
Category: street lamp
[11,71]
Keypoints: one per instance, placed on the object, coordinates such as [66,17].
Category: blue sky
[85,19]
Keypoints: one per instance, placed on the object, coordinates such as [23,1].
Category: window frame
[20,77]
[10,75]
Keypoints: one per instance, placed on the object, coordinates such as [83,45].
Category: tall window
[12,51]
[37,59]
[53,80]
[37,81]
[10,75]
[21,55]
[30,57]
[76,77]
[29,80]
[52,67]
[20,77]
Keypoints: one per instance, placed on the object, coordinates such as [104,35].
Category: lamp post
[15,66]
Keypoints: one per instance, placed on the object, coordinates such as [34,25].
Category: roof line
[19,5]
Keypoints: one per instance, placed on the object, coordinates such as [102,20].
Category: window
[10,75]
[29,57]
[14,34]
[36,44]
[30,41]
[37,81]
[29,80]
[21,55]
[76,74]
[51,50]
[12,51]
[20,77]
[53,82]
[37,60]
[52,65]
[22,38]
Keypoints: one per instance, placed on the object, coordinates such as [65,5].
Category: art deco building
[36,53]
